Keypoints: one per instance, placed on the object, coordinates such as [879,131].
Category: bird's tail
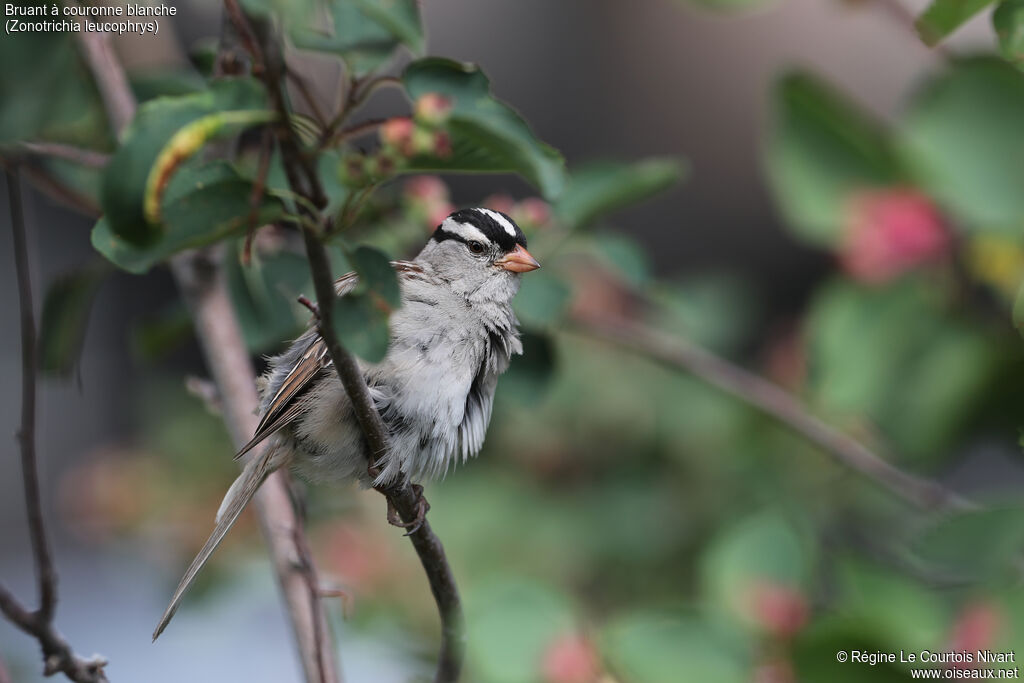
[235,500]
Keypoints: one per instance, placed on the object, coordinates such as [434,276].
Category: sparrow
[451,338]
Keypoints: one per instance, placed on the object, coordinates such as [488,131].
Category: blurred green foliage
[629,521]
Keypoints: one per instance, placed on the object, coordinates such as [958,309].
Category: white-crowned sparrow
[452,337]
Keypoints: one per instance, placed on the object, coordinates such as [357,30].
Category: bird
[453,335]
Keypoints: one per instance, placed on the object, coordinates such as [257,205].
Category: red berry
[570,658]
[397,133]
[889,232]
[777,608]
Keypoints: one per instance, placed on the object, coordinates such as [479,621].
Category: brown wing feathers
[285,407]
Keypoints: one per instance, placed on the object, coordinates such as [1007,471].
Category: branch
[110,78]
[304,181]
[205,292]
[76,155]
[44,181]
[401,495]
[203,287]
[57,653]
[773,401]
[357,130]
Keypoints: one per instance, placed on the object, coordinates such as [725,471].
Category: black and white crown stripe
[481,225]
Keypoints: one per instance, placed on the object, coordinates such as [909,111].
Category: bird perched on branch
[452,337]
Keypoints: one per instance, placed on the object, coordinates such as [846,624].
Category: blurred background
[624,522]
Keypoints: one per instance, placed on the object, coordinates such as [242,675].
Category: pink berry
[426,188]
[779,609]
[433,109]
[570,658]
[397,133]
[889,232]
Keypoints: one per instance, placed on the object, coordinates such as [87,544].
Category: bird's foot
[422,507]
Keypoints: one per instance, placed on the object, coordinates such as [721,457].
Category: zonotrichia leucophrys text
[452,337]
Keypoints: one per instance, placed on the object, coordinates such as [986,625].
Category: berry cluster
[403,138]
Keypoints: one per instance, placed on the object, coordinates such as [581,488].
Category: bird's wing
[283,408]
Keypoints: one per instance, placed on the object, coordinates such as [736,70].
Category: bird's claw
[422,507]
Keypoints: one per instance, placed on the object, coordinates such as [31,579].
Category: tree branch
[114,89]
[304,181]
[205,292]
[202,284]
[57,653]
[773,401]
[76,155]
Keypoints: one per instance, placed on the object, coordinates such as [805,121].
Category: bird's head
[480,252]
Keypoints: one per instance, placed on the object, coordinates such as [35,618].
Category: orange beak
[518,261]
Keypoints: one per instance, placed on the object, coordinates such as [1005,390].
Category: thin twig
[220,336]
[237,18]
[47,576]
[117,94]
[57,653]
[77,155]
[258,190]
[774,402]
[352,102]
[357,130]
[44,181]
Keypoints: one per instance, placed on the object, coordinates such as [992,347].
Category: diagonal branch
[204,289]
[57,653]
[773,401]
[76,155]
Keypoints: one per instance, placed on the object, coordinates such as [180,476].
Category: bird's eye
[476,247]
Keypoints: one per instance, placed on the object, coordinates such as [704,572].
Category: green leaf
[667,648]
[361,324]
[50,95]
[531,373]
[327,167]
[821,150]
[264,294]
[601,188]
[487,135]
[65,316]
[815,649]
[714,311]
[1008,22]
[364,33]
[203,205]
[973,545]
[892,608]
[164,132]
[542,299]
[166,83]
[963,142]
[376,275]
[513,621]
[400,17]
[896,357]
[945,16]
[765,547]
[627,257]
